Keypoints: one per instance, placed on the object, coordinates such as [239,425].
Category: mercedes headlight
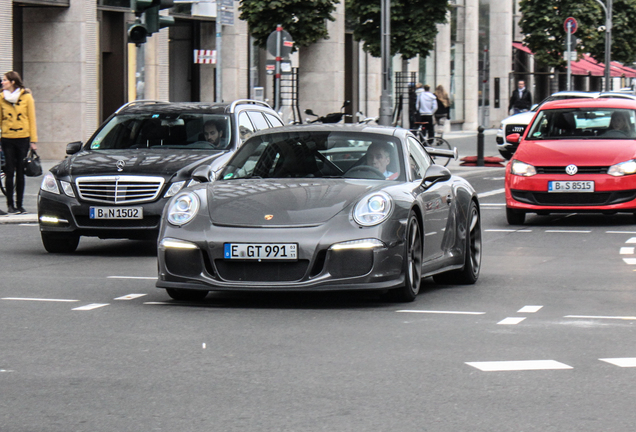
[183,208]
[623,168]
[373,209]
[522,169]
[49,184]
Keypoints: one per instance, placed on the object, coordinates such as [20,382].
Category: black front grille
[513,128]
[253,271]
[573,199]
[581,170]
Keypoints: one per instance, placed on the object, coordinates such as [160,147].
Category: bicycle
[436,141]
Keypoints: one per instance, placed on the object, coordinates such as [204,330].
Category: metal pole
[608,45]
[279,35]
[569,55]
[483,87]
[218,94]
[385,30]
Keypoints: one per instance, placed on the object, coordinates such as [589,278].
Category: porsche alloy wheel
[472,254]
[412,263]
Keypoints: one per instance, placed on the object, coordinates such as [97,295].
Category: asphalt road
[543,341]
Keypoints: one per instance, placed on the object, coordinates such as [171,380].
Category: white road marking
[523,365]
[492,204]
[627,251]
[621,362]
[91,306]
[630,261]
[430,233]
[133,277]
[509,230]
[491,193]
[38,299]
[622,232]
[442,312]
[158,303]
[511,320]
[130,296]
[529,309]
[569,231]
[631,240]
[601,317]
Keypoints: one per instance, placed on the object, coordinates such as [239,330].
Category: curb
[18,219]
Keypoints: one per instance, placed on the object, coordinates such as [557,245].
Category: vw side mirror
[513,138]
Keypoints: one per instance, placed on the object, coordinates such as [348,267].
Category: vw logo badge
[571,169]
[120,165]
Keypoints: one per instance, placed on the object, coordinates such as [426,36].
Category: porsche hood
[257,203]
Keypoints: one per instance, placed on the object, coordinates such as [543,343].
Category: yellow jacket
[18,120]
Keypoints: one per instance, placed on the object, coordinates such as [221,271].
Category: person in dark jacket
[443,107]
[521,99]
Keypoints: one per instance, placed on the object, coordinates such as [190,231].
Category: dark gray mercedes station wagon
[117,184]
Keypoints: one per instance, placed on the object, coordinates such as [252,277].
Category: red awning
[588,66]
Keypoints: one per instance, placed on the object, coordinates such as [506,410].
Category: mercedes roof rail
[248,101]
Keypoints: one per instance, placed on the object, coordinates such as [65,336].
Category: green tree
[542,23]
[305,20]
[413,25]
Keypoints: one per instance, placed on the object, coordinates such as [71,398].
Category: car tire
[186,294]
[413,256]
[515,217]
[469,274]
[59,242]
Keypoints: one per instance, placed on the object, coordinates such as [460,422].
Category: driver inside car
[379,157]
[213,133]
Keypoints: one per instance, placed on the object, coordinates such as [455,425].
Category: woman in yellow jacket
[19,132]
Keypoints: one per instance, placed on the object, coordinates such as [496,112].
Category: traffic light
[148,20]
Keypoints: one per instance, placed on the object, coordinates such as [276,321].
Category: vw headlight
[49,184]
[373,209]
[521,168]
[183,208]
[623,168]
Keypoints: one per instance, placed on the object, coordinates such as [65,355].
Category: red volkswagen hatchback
[576,156]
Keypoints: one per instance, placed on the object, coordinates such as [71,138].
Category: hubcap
[414,256]
[475,241]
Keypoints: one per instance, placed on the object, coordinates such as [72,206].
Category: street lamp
[385,30]
[608,40]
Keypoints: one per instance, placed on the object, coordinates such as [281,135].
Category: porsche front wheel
[412,263]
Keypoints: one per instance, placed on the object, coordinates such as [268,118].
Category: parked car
[517,123]
[117,183]
[323,207]
[577,156]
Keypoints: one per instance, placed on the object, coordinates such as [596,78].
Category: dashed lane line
[441,312]
[91,306]
[39,299]
[491,193]
[133,277]
[629,318]
[621,362]
[530,309]
[523,365]
[511,321]
[130,297]
[569,231]
[509,230]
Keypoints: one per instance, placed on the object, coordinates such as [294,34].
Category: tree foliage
[413,25]
[303,19]
[542,23]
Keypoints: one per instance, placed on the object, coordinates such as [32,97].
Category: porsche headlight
[623,168]
[373,209]
[522,169]
[183,208]
[49,184]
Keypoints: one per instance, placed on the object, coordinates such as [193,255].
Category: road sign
[287,43]
[573,26]
[573,55]
[225,12]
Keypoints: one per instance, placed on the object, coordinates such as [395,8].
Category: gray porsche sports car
[322,207]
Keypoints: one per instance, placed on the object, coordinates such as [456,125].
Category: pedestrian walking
[521,99]
[19,133]
[426,106]
[443,107]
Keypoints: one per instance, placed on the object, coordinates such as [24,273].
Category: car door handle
[449,199]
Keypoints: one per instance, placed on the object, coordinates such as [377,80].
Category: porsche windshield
[310,154]
[195,131]
[583,123]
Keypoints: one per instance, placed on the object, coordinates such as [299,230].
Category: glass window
[318,154]
[164,131]
[246,129]
[273,120]
[584,123]
[258,120]
[419,160]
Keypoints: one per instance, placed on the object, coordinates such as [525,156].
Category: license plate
[116,213]
[258,251]
[570,186]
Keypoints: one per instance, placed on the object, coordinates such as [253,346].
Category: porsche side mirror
[513,138]
[436,173]
[202,174]
[74,147]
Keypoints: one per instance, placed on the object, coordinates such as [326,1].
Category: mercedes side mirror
[74,147]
